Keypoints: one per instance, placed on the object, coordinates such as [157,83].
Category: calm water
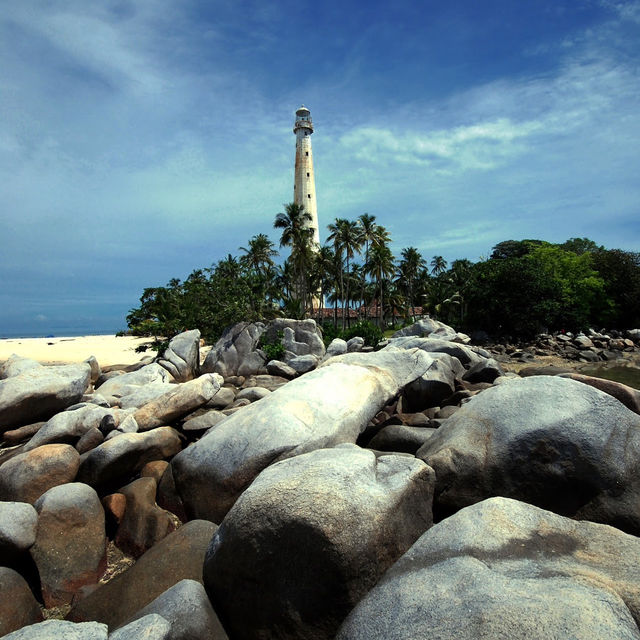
[627,375]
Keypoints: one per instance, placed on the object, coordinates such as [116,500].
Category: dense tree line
[523,287]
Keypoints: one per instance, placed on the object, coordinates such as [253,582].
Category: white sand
[107,349]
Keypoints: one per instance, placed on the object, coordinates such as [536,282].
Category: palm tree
[380,266]
[408,271]
[259,256]
[324,268]
[297,234]
[438,265]
[347,240]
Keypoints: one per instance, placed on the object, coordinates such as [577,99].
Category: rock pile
[594,346]
[296,498]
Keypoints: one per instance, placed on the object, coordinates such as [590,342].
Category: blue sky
[142,139]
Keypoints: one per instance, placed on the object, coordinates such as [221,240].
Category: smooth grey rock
[336,347]
[629,396]
[303,364]
[68,427]
[25,477]
[204,422]
[145,394]
[279,368]
[222,399]
[421,328]
[335,519]
[431,388]
[187,608]
[128,383]
[37,393]
[181,400]
[505,569]
[95,398]
[549,441]
[235,344]
[116,461]
[70,546]
[581,341]
[18,524]
[265,381]
[355,344]
[252,393]
[18,606]
[466,355]
[15,365]
[182,357]
[252,363]
[325,407]
[60,630]
[485,371]
[150,627]
[96,372]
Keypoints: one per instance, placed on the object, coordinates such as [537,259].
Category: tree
[347,241]
[260,254]
[409,268]
[438,265]
[380,266]
[297,234]
[580,246]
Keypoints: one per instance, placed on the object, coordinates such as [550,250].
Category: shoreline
[107,349]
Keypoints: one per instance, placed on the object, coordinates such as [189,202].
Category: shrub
[273,349]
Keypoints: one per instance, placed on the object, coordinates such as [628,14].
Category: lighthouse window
[306,153]
[307,174]
[308,195]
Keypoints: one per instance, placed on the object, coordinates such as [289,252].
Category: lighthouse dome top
[303,111]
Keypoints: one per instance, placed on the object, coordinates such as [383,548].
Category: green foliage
[273,349]
[371,333]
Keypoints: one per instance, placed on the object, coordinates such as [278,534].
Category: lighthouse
[304,186]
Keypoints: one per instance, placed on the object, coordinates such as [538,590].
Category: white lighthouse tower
[304,187]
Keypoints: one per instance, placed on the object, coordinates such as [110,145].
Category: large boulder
[116,461]
[128,383]
[60,630]
[70,546]
[552,442]
[328,406]
[310,537]
[505,569]
[37,393]
[468,356]
[179,401]
[629,396]
[180,555]
[15,365]
[235,344]
[26,476]
[299,337]
[182,357]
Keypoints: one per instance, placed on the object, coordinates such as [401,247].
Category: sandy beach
[108,350]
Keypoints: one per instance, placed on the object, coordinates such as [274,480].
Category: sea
[61,332]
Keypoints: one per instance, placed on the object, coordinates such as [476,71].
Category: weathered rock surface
[144,523]
[204,421]
[150,627]
[468,356]
[60,630]
[552,442]
[300,337]
[485,371]
[279,368]
[15,365]
[328,406]
[26,476]
[336,347]
[181,400]
[37,393]
[188,609]
[116,461]
[68,427]
[70,546]
[18,607]
[232,348]
[311,536]
[505,569]
[431,388]
[180,555]
[182,358]
[128,383]
[629,396]
[145,394]
[18,524]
